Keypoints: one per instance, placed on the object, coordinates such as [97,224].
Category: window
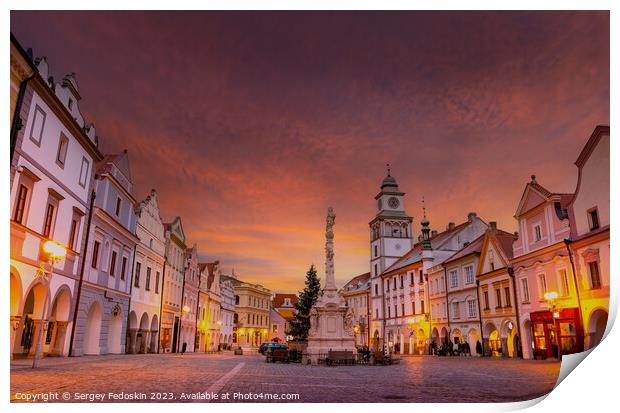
[147,284]
[376,270]
[486,300]
[454,281]
[73,233]
[526,290]
[236,300]
[117,212]
[61,156]
[563,275]
[123,268]
[38,123]
[537,233]
[84,172]
[20,207]
[377,313]
[136,276]
[389,312]
[387,285]
[394,281]
[376,251]
[49,220]
[401,281]
[96,247]
[593,219]
[471,308]
[421,306]
[421,277]
[469,274]
[507,296]
[376,289]
[413,307]
[113,264]
[498,298]
[402,310]
[456,310]
[411,278]
[595,277]
[542,285]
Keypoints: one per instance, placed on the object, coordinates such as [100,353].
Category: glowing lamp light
[186,309]
[54,249]
[551,295]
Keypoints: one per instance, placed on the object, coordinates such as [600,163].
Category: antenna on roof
[389,170]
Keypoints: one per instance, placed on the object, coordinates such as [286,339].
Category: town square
[407,207]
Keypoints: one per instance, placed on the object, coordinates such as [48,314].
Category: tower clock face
[393,202]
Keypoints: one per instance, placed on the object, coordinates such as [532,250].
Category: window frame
[37,110]
[593,216]
[62,140]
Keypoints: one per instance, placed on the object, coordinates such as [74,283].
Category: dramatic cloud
[250,124]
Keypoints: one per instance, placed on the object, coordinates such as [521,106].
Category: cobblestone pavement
[198,376]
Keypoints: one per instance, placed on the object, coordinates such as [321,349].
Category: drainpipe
[133,267]
[511,273]
[480,316]
[161,302]
[567,242]
[17,121]
[430,315]
[182,305]
[93,195]
[445,279]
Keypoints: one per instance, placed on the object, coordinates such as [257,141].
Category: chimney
[433,233]
[471,216]
[493,225]
[451,226]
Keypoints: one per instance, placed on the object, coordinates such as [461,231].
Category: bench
[277,355]
[340,357]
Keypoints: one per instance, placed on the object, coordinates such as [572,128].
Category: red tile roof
[278,299]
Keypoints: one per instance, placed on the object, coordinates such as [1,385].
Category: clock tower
[391,236]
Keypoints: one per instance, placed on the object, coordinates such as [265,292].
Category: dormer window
[593,218]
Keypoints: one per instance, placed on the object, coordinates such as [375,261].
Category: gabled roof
[473,247]
[169,226]
[415,254]
[533,188]
[597,134]
[278,299]
[502,242]
[358,282]
[120,160]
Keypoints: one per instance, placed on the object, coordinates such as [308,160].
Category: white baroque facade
[146,290]
[52,173]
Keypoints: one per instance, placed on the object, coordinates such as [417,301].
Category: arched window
[236,299]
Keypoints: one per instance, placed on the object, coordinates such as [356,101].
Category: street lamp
[55,252]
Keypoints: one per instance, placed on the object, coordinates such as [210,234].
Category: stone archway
[444,336]
[56,336]
[32,314]
[508,334]
[16,302]
[115,330]
[132,331]
[92,334]
[493,345]
[473,339]
[142,337]
[154,334]
[457,337]
[596,327]
[375,340]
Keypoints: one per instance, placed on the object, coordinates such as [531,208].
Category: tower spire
[426,240]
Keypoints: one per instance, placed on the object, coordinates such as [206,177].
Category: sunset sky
[249,125]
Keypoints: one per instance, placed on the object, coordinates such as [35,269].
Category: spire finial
[389,170]
[423,207]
